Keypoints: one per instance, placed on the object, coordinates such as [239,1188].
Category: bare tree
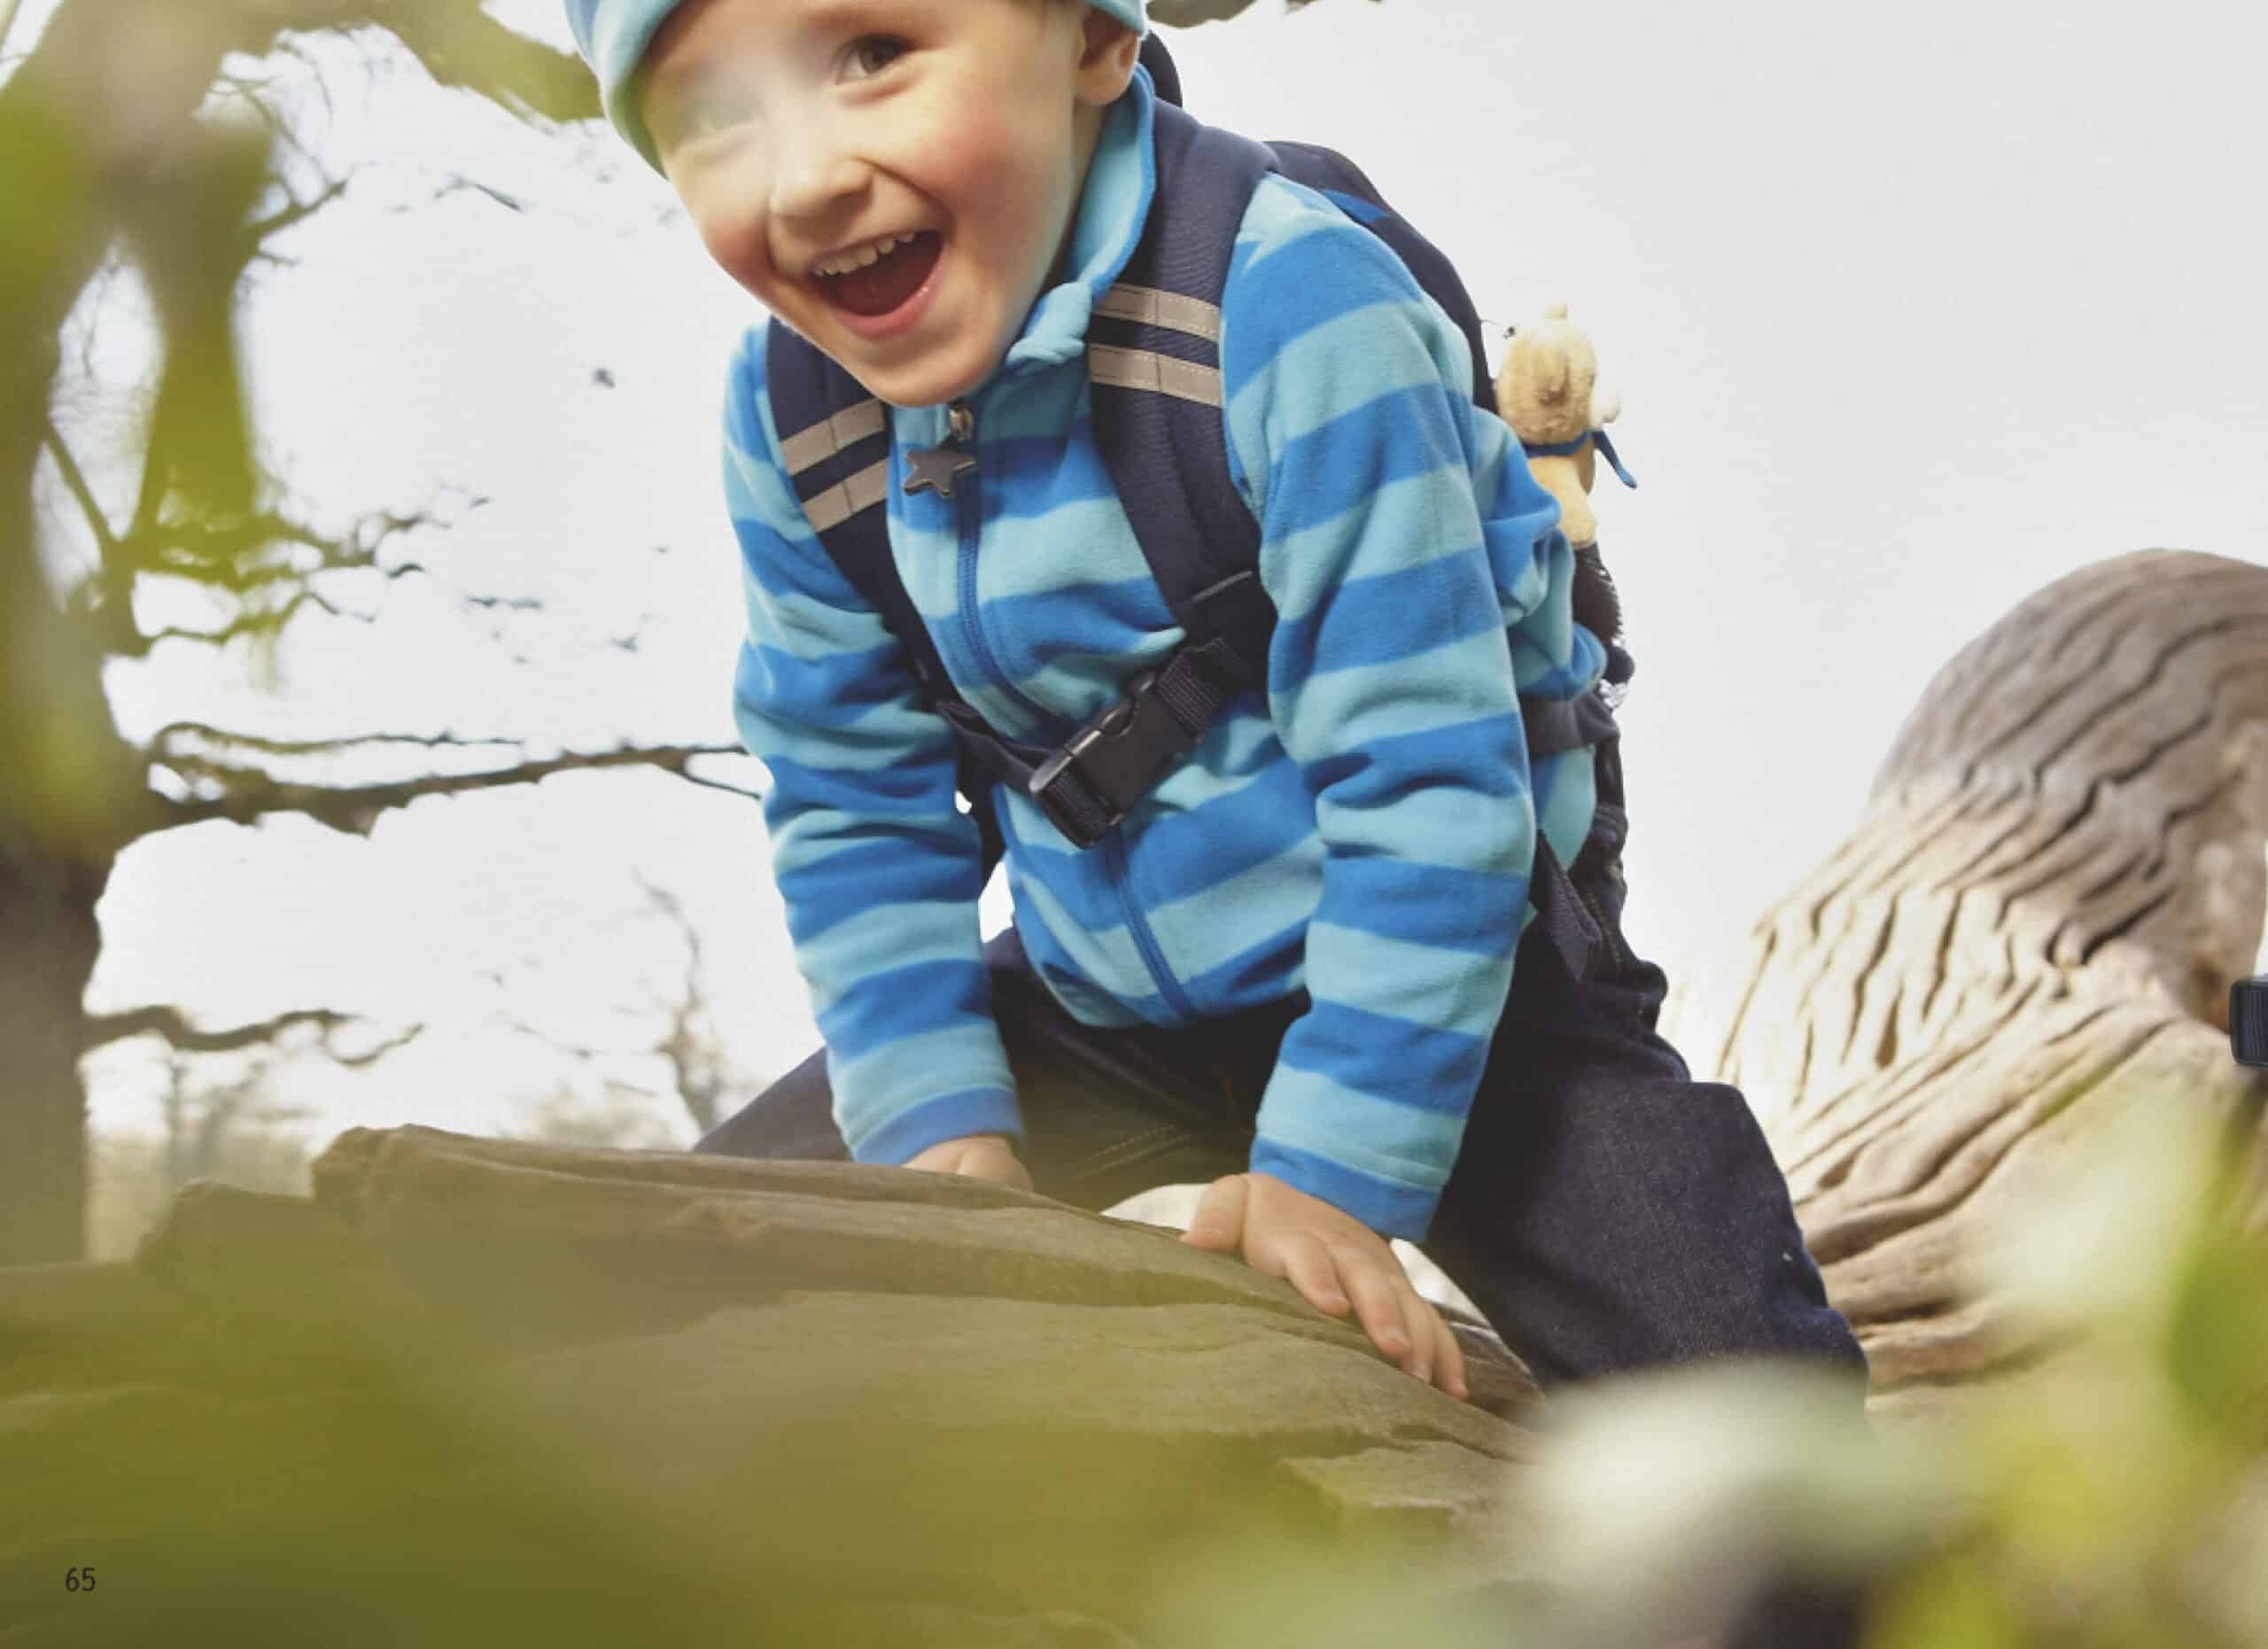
[702,1076]
[114,145]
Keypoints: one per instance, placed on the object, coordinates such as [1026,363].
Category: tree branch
[700,1077]
[257,623]
[75,480]
[461,45]
[459,183]
[444,739]
[260,230]
[694,1057]
[246,794]
[356,1062]
[102,1029]
[215,552]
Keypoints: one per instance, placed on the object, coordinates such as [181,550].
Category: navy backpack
[1153,356]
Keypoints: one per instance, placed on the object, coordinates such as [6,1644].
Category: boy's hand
[1333,1259]
[980,1157]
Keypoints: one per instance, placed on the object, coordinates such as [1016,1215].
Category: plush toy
[1550,394]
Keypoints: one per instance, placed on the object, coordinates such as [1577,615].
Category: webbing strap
[862,490]
[1148,307]
[1146,370]
[1154,360]
[1566,921]
[835,442]
[831,434]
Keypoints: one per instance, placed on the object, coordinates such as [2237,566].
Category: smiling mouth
[887,283]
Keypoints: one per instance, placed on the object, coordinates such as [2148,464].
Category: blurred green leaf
[2218,1341]
[1956,1603]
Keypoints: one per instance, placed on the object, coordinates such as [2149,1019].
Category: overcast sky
[1913,309]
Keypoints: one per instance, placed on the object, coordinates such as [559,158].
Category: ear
[1107,58]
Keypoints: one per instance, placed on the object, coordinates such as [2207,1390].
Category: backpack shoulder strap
[834,446]
[1333,175]
[1153,354]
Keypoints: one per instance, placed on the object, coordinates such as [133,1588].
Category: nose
[815,173]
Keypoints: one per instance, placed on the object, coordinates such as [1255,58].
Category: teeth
[873,252]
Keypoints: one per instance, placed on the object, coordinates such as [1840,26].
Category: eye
[871,54]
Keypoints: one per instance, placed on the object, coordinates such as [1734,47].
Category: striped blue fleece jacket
[1365,830]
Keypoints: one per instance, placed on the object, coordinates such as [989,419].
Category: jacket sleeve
[879,870]
[1402,533]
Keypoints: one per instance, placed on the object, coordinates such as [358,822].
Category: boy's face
[802,135]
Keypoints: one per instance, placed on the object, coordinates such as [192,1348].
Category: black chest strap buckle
[1111,762]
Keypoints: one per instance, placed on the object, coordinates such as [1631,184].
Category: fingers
[1378,1305]
[978,1156]
[998,1163]
[1335,1263]
[1419,1321]
[1449,1367]
[1308,1267]
[1402,1322]
[989,1156]
[1218,1222]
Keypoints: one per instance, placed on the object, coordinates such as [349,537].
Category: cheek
[721,196]
[969,164]
[734,240]
[1003,182]
[995,170]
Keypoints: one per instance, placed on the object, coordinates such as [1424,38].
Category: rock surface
[2030,932]
[666,1392]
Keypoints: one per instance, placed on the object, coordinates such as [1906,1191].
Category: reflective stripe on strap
[1149,307]
[1142,369]
[838,504]
[816,445]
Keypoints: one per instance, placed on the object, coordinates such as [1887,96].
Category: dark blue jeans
[1606,1211]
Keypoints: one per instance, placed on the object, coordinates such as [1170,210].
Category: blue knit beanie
[613,34]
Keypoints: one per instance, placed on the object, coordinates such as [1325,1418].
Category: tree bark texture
[48,941]
[2032,929]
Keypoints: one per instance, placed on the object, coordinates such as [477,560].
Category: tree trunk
[48,940]
[72,792]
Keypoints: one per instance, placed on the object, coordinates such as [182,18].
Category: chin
[955,366]
[926,384]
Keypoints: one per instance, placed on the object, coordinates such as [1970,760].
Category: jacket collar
[1113,209]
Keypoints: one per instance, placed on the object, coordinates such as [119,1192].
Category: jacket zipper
[961,432]
[1153,956]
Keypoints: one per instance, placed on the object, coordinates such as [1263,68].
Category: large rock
[2030,933]
[607,1396]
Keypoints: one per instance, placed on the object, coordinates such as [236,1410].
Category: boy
[1304,940]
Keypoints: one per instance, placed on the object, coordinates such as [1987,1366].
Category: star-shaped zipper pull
[935,467]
